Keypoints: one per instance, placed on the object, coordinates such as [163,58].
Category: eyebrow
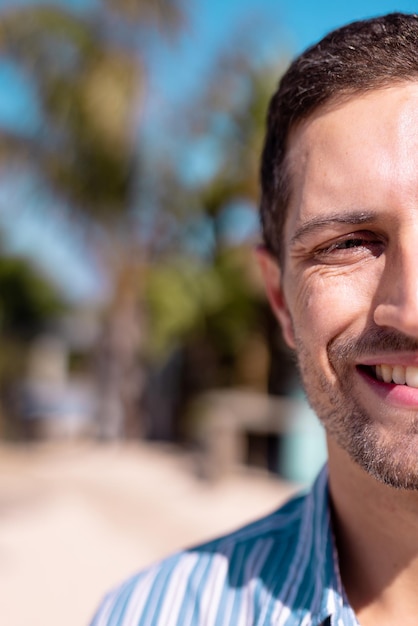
[317,223]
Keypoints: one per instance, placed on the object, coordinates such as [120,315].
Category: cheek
[327,305]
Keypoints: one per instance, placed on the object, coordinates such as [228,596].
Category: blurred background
[146,397]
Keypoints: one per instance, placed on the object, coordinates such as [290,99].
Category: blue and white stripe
[281,570]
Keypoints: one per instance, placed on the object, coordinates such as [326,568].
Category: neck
[376,531]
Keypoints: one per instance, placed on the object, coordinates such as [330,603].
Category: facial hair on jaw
[391,458]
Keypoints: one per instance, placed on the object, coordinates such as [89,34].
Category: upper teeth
[398,374]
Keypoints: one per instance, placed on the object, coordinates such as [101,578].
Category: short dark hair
[359,57]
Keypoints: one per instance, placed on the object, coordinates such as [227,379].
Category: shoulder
[223,575]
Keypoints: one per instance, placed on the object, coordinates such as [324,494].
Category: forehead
[360,154]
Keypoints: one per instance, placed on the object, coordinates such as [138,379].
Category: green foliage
[86,88]
[188,300]
[28,305]
[167,15]
[27,302]
[88,73]
[232,113]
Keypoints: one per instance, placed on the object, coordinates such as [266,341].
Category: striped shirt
[281,570]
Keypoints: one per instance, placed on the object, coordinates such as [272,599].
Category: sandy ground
[77,519]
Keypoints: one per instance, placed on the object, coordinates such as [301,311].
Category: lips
[399,388]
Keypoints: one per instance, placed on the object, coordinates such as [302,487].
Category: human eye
[350,247]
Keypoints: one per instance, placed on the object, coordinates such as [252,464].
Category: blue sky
[178,74]
[289,25]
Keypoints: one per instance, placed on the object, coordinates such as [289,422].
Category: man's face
[347,294]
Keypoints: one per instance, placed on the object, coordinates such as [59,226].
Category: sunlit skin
[347,299]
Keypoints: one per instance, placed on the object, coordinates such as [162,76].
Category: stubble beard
[391,458]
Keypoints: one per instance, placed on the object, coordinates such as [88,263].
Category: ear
[273,284]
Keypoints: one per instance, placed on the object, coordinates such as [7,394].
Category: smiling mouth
[397,374]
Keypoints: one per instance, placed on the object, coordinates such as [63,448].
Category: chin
[392,461]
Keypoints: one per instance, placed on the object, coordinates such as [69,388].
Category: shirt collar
[329,600]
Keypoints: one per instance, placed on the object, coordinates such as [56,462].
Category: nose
[397,304]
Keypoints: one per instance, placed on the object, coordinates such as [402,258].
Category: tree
[207,297]
[88,72]
[237,102]
[29,305]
